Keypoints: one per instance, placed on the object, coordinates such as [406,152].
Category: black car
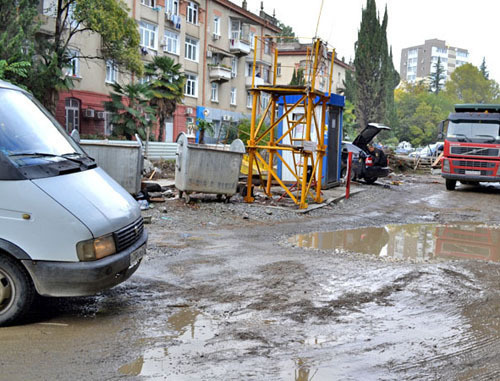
[361,167]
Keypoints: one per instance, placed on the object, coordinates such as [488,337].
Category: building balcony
[258,81]
[239,47]
[219,73]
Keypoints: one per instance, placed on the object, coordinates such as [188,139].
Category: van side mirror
[75,135]
[440,130]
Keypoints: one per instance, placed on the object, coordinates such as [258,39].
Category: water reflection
[417,242]
[189,327]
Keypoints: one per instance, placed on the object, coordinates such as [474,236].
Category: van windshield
[25,128]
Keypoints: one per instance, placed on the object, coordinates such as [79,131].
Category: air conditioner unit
[101,115]
[226,118]
[233,75]
[189,111]
[209,54]
[163,42]
[215,36]
[88,113]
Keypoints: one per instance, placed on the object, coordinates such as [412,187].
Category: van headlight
[93,249]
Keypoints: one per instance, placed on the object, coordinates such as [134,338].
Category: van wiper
[45,154]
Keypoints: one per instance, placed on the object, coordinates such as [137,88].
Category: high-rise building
[418,62]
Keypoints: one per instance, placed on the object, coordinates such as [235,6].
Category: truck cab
[472,145]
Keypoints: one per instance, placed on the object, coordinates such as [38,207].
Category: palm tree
[167,87]
[131,110]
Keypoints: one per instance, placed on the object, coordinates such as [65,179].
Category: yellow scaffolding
[306,152]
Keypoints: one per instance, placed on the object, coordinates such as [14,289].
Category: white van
[66,227]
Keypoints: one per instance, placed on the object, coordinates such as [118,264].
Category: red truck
[472,145]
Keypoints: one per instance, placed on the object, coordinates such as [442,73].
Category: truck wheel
[450,184]
[16,290]
[370,180]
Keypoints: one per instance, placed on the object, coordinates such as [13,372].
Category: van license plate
[136,256]
[474,173]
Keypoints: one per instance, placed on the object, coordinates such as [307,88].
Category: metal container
[208,168]
[121,159]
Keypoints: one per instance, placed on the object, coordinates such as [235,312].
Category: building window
[191,49]
[267,75]
[148,34]
[264,100]
[215,92]
[462,54]
[249,69]
[111,72]
[73,68]
[216,26]
[108,126]
[171,41]
[251,37]
[190,127]
[72,107]
[278,70]
[192,13]
[145,79]
[149,3]
[233,96]
[249,99]
[171,7]
[234,67]
[191,86]
[412,52]
[267,45]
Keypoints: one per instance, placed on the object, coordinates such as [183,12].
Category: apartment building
[213,40]
[418,62]
[295,55]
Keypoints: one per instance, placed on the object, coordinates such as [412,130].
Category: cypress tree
[437,77]
[483,69]
[375,75]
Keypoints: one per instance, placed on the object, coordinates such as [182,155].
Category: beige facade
[295,55]
[213,40]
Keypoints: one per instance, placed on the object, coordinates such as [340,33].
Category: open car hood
[367,135]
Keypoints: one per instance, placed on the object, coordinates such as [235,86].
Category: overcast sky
[472,25]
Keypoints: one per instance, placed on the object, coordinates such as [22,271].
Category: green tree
[349,124]
[484,70]
[372,67]
[204,127]
[107,18]
[18,27]
[437,77]
[390,77]
[468,85]
[287,32]
[419,112]
[16,69]
[298,78]
[167,87]
[131,110]
[349,89]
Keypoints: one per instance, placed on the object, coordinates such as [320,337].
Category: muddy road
[228,292]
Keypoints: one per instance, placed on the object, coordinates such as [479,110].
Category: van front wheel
[16,290]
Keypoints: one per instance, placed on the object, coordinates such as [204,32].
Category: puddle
[190,331]
[414,242]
